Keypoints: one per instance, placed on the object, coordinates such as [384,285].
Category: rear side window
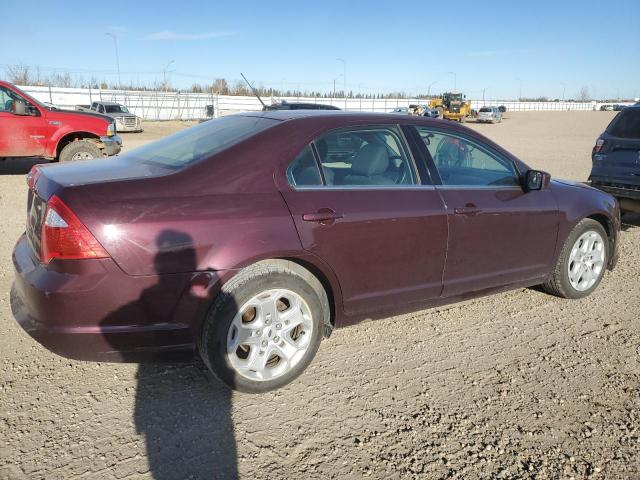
[626,124]
[365,156]
[196,143]
[303,171]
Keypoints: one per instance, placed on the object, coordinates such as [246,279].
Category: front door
[21,135]
[366,213]
[499,234]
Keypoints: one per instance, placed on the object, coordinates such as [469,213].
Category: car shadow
[183,412]
[19,165]
[630,221]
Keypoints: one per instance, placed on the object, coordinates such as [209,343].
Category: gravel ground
[518,385]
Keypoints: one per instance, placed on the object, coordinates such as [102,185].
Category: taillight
[599,145]
[32,177]
[64,236]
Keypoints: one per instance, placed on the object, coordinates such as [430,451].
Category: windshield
[116,109]
[486,109]
[201,141]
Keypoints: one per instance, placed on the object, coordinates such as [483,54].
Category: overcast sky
[541,47]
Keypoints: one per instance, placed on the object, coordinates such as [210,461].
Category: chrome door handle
[468,209]
[324,216]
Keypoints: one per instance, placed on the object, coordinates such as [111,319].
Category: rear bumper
[618,190]
[112,145]
[94,311]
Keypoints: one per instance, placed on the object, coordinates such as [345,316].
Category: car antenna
[255,92]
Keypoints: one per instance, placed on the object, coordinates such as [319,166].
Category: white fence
[158,105]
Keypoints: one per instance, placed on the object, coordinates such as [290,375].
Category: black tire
[248,283]
[80,148]
[559,283]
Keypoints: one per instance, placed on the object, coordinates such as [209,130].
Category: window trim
[433,169]
[404,144]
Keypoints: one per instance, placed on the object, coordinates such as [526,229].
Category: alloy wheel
[586,260]
[269,335]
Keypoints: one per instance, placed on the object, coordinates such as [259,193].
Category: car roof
[109,103]
[288,115]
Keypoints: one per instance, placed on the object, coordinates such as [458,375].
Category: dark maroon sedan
[247,239]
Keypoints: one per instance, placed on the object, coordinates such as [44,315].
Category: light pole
[344,78]
[334,85]
[520,94]
[455,80]
[164,74]
[115,43]
[429,87]
[564,87]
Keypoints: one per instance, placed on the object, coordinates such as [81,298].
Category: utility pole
[563,89]
[164,74]
[520,94]
[344,78]
[115,43]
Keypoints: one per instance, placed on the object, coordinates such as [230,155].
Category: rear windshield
[486,109]
[201,141]
[626,124]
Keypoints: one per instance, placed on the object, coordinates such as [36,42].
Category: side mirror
[536,180]
[19,107]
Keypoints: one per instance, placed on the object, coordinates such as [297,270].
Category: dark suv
[616,159]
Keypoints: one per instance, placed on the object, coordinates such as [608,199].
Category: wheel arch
[72,137]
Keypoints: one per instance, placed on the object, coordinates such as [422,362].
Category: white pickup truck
[125,120]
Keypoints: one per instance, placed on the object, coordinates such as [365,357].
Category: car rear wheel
[265,326]
[582,262]
[80,150]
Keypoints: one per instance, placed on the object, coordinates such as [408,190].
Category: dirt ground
[518,385]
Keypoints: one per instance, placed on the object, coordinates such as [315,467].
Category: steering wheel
[402,169]
[8,105]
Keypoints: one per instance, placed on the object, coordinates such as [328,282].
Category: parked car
[298,106]
[400,110]
[489,115]
[125,120]
[606,108]
[617,107]
[249,238]
[502,108]
[616,159]
[28,128]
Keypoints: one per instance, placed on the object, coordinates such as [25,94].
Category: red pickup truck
[29,128]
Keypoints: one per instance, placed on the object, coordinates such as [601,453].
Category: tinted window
[201,141]
[626,124]
[365,156]
[461,162]
[303,171]
[486,109]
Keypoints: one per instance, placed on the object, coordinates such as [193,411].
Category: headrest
[370,160]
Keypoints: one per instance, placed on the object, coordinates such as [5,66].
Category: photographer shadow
[182,412]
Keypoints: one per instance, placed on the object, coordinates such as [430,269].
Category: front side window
[365,156]
[461,162]
[7,98]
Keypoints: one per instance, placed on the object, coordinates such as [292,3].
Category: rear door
[359,204]
[499,234]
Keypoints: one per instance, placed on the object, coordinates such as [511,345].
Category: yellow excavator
[452,106]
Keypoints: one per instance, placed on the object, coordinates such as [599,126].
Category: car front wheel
[582,262]
[265,326]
